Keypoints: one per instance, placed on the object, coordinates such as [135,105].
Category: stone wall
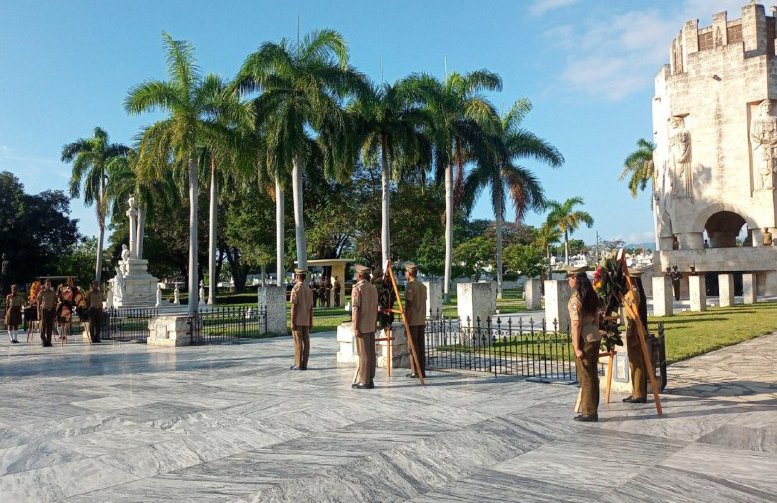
[274,297]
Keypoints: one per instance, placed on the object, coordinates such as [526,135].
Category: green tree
[525,260]
[568,219]
[502,175]
[638,166]
[546,236]
[91,158]
[475,256]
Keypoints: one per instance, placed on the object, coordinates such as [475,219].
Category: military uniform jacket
[588,329]
[94,299]
[302,298]
[365,297]
[47,299]
[415,303]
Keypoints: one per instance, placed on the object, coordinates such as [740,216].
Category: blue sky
[587,66]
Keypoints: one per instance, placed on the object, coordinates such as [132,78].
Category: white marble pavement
[126,422]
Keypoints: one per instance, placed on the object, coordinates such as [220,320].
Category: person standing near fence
[94,304]
[13,312]
[636,360]
[584,330]
[336,288]
[364,298]
[301,319]
[47,304]
[415,313]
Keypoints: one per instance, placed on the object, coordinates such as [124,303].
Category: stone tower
[715,129]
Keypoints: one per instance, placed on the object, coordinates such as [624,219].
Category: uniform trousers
[588,375]
[419,342]
[365,347]
[301,346]
[47,325]
[95,324]
[636,361]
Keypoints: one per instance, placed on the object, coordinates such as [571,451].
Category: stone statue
[158,294]
[680,145]
[763,133]
[767,237]
[176,295]
[119,284]
[124,262]
[202,292]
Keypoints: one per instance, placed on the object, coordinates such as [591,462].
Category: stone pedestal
[474,301]
[533,294]
[400,353]
[697,287]
[170,330]
[136,288]
[663,296]
[274,298]
[433,298]
[749,288]
[557,293]
[770,278]
[726,289]
[347,344]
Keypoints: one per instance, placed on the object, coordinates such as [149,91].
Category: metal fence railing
[127,324]
[227,324]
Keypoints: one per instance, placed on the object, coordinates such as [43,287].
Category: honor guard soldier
[47,304]
[365,313]
[584,316]
[336,288]
[301,319]
[415,313]
[636,359]
[13,313]
[94,305]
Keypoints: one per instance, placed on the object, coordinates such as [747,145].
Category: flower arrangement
[35,289]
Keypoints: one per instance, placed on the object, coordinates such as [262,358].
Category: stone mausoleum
[715,130]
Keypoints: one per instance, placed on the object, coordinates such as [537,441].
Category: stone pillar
[726,289]
[433,298]
[474,301]
[691,240]
[770,277]
[697,290]
[663,296]
[274,298]
[749,288]
[133,235]
[173,330]
[557,293]
[400,354]
[533,293]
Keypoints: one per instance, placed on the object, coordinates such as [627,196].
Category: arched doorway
[723,228]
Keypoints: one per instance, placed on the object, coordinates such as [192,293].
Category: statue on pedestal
[202,292]
[124,262]
[119,283]
[763,133]
[158,294]
[680,145]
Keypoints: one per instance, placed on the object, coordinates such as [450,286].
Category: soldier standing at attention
[583,313]
[301,319]
[13,312]
[336,288]
[94,304]
[636,360]
[323,292]
[415,312]
[47,304]
[365,313]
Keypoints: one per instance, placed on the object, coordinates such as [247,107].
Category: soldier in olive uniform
[301,319]
[584,316]
[47,304]
[415,313]
[13,312]
[365,313]
[323,292]
[94,305]
[336,288]
[636,360]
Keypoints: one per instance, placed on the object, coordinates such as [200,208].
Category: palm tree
[91,158]
[301,87]
[174,142]
[460,115]
[567,219]
[546,236]
[388,123]
[503,175]
[639,167]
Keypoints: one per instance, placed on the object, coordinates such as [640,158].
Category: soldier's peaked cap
[574,269]
[411,267]
[300,271]
[362,269]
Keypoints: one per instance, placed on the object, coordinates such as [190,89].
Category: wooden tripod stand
[401,310]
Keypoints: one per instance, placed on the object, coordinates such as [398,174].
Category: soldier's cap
[575,269]
[635,271]
[411,267]
[361,269]
[301,271]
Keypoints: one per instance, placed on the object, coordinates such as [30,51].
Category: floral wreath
[610,285]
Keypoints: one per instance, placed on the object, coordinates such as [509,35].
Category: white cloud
[540,7]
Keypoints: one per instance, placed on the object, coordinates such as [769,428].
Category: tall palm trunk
[98,267]
[299,220]
[194,189]
[498,231]
[566,247]
[448,231]
[385,232]
[279,241]
[212,280]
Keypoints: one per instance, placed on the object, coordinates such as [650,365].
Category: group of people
[52,308]
[583,309]
[372,300]
[326,293]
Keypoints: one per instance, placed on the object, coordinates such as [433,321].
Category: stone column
[663,296]
[726,289]
[433,298]
[557,293]
[749,288]
[133,234]
[533,293]
[473,301]
[771,283]
[697,290]
[274,298]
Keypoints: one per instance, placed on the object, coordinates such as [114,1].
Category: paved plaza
[126,422]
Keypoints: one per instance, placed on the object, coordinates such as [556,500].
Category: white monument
[133,286]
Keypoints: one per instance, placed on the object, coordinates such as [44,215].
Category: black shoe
[294,367]
[364,386]
[14,341]
[412,375]
[98,341]
[632,399]
[587,419]
[371,386]
[356,384]
[49,345]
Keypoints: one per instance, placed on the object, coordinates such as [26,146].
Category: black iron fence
[227,324]
[127,324]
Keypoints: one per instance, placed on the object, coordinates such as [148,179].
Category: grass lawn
[691,334]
